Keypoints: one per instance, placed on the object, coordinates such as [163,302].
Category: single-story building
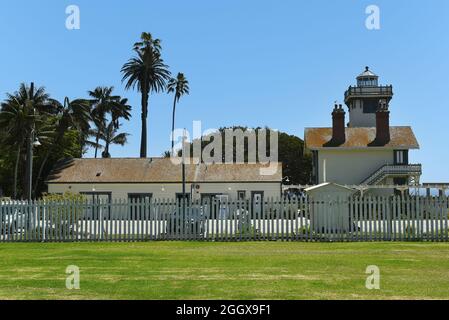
[160,178]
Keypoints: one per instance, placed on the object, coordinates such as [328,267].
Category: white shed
[329,208]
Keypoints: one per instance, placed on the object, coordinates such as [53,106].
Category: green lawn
[253,270]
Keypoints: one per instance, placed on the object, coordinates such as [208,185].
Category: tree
[62,129]
[296,164]
[21,116]
[102,102]
[120,109]
[110,136]
[147,72]
[72,115]
[180,86]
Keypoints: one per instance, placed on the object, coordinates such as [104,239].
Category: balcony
[393,170]
[372,92]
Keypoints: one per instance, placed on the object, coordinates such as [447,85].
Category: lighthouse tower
[363,100]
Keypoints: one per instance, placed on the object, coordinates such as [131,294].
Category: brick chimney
[338,127]
[382,124]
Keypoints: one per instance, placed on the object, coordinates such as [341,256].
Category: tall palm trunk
[16,171]
[106,145]
[143,138]
[97,140]
[173,127]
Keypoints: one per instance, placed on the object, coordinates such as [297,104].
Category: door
[139,205]
[212,208]
[223,212]
[100,208]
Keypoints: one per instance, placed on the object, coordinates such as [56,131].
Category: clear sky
[249,62]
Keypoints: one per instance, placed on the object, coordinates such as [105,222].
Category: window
[401,157]
[209,197]
[139,197]
[241,195]
[99,204]
[179,196]
[212,207]
[370,105]
[97,196]
[315,167]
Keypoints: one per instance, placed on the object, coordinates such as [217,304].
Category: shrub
[63,210]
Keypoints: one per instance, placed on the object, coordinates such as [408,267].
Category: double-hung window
[401,157]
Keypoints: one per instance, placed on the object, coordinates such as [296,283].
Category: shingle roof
[359,138]
[159,170]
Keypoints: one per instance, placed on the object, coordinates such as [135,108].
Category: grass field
[263,270]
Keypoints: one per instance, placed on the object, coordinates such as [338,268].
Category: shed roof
[155,170]
[329,189]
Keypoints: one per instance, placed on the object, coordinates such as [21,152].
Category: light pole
[183,172]
[31,142]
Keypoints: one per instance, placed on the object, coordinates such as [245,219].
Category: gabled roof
[361,138]
[156,170]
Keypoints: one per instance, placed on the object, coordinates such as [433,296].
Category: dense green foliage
[31,119]
[296,164]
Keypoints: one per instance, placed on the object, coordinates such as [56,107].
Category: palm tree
[120,109]
[180,86]
[13,119]
[110,136]
[102,102]
[147,42]
[148,73]
[21,114]
[71,115]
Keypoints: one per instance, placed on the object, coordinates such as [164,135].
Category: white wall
[160,191]
[351,166]
[359,119]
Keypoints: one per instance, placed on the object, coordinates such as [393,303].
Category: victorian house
[366,150]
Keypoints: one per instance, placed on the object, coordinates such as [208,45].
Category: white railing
[409,169]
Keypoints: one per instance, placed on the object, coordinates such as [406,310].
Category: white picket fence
[297,219]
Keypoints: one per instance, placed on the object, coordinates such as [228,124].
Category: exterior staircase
[393,170]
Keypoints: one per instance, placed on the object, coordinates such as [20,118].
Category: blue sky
[253,62]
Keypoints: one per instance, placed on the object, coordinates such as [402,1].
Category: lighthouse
[363,99]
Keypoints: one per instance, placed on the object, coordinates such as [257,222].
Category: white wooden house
[366,150]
